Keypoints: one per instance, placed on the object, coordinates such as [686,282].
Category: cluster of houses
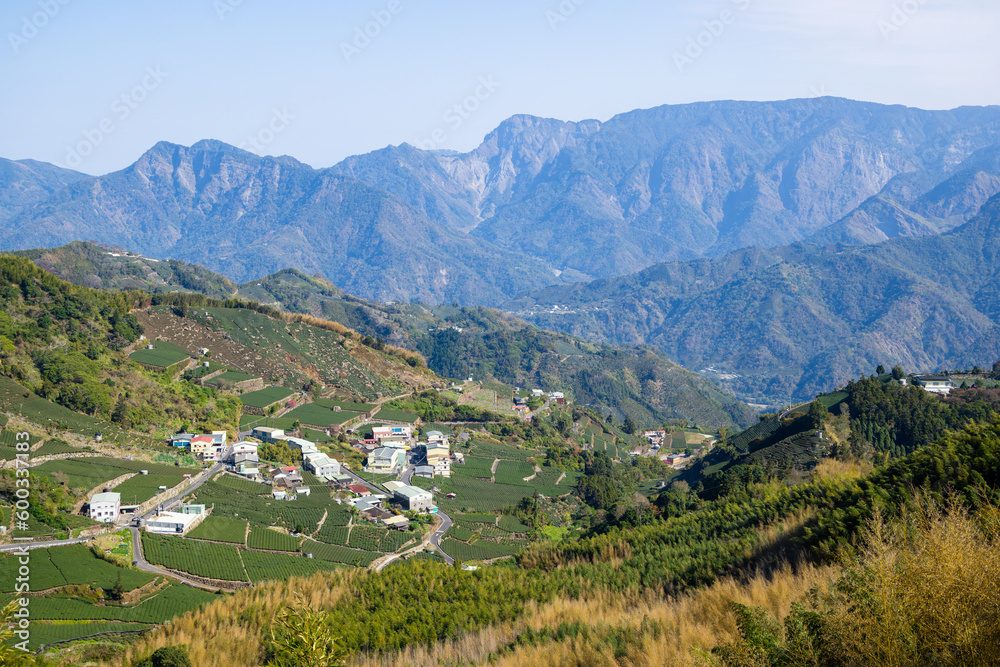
[206,447]
[655,438]
[521,404]
[372,506]
[313,460]
[432,457]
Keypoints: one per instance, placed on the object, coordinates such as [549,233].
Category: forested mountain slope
[798,320]
[635,383]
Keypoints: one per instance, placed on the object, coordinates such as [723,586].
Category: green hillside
[781,324]
[66,344]
[117,269]
[638,383]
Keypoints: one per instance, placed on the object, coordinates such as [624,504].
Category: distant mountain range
[791,322]
[540,202]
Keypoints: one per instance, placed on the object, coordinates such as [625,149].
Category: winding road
[435,538]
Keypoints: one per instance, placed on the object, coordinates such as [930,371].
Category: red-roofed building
[359,489]
[201,444]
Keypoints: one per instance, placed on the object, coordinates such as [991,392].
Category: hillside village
[230,447]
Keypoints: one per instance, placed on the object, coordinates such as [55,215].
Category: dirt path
[319,526]
[561,478]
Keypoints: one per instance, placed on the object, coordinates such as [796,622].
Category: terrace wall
[205,378]
[250,410]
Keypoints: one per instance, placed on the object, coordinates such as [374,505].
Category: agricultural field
[340,554]
[276,567]
[480,550]
[494,450]
[70,565]
[347,405]
[248,421]
[54,447]
[389,414]
[482,495]
[432,556]
[512,525]
[9,438]
[514,472]
[201,370]
[231,377]
[316,414]
[242,484]
[163,355]
[272,540]
[47,634]
[474,467]
[266,338]
[220,529]
[395,540]
[202,559]
[162,606]
[141,488]
[760,430]
[367,537]
[17,400]
[333,534]
[88,473]
[265,397]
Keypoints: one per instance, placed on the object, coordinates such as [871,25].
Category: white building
[302,444]
[171,522]
[321,465]
[243,447]
[415,498]
[105,507]
[392,432]
[268,434]
[437,437]
[937,384]
[386,461]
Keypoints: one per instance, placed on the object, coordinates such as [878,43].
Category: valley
[312,482]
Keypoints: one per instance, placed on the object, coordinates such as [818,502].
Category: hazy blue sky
[94,84]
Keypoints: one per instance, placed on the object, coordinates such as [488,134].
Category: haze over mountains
[539,202]
[746,211]
[797,320]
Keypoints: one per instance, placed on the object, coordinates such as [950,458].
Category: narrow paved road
[80,540]
[41,545]
[140,562]
[137,555]
[173,500]
[435,538]
[446,520]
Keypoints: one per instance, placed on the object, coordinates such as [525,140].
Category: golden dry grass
[832,469]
